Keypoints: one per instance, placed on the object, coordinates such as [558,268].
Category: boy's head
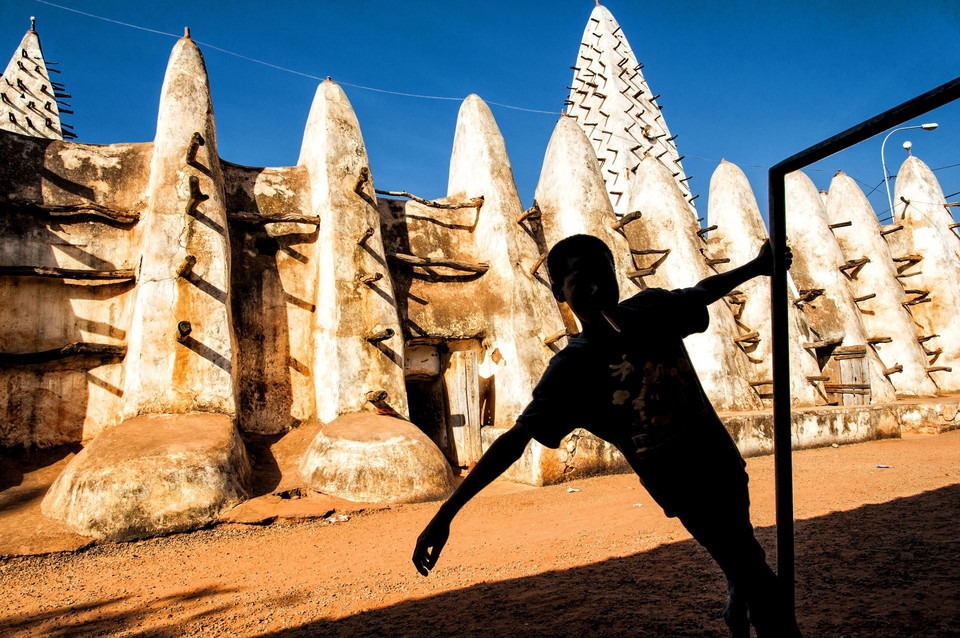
[582,273]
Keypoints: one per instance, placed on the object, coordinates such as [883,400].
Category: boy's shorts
[702,474]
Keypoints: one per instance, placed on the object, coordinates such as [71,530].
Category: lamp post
[926,127]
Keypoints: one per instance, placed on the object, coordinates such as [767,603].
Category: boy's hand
[429,544]
[764,259]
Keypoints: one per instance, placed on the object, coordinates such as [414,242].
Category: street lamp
[926,127]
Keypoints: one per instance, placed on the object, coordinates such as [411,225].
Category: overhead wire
[397,93]
[286,69]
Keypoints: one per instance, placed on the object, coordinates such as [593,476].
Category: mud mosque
[163,305]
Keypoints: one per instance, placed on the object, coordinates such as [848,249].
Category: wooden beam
[703,231]
[65,212]
[537,264]
[750,337]
[853,267]
[367,234]
[807,296]
[259,219]
[939,369]
[626,219]
[557,336]
[424,262]
[196,141]
[383,335]
[127,274]
[847,388]
[532,212]
[813,345]
[76,349]
[851,350]
[476,202]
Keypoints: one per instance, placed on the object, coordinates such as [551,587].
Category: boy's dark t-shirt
[636,389]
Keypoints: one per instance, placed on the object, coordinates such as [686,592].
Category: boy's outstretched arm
[501,455]
[713,288]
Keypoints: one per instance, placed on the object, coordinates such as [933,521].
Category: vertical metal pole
[782,446]
[782,435]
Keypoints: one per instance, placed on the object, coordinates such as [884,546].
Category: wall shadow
[880,570]
[259,304]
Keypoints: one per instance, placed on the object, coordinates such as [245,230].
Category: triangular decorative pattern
[611,101]
[28,98]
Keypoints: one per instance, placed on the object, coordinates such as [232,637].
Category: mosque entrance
[846,378]
[447,396]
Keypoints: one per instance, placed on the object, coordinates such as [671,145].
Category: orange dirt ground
[878,554]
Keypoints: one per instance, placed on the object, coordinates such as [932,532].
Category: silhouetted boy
[627,379]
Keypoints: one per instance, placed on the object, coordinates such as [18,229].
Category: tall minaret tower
[28,97]
[617,110]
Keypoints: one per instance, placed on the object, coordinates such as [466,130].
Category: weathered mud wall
[272,279]
[68,270]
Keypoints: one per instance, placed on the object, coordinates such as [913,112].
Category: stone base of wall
[581,454]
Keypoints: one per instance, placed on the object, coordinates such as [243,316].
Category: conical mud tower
[525,318]
[852,371]
[177,460]
[358,366]
[357,336]
[181,351]
[613,105]
[737,235]
[672,244]
[928,266]
[572,199]
[891,331]
[31,99]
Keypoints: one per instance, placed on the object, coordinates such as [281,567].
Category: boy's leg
[727,534]
[735,613]
[702,481]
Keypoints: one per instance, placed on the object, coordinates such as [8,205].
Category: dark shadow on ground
[266,470]
[76,620]
[17,461]
[881,570]
[890,570]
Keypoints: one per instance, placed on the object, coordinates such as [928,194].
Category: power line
[285,69]
[397,93]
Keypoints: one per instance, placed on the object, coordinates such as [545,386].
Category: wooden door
[461,380]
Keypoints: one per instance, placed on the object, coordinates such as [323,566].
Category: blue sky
[753,82]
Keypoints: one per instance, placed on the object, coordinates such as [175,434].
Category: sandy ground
[877,555]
